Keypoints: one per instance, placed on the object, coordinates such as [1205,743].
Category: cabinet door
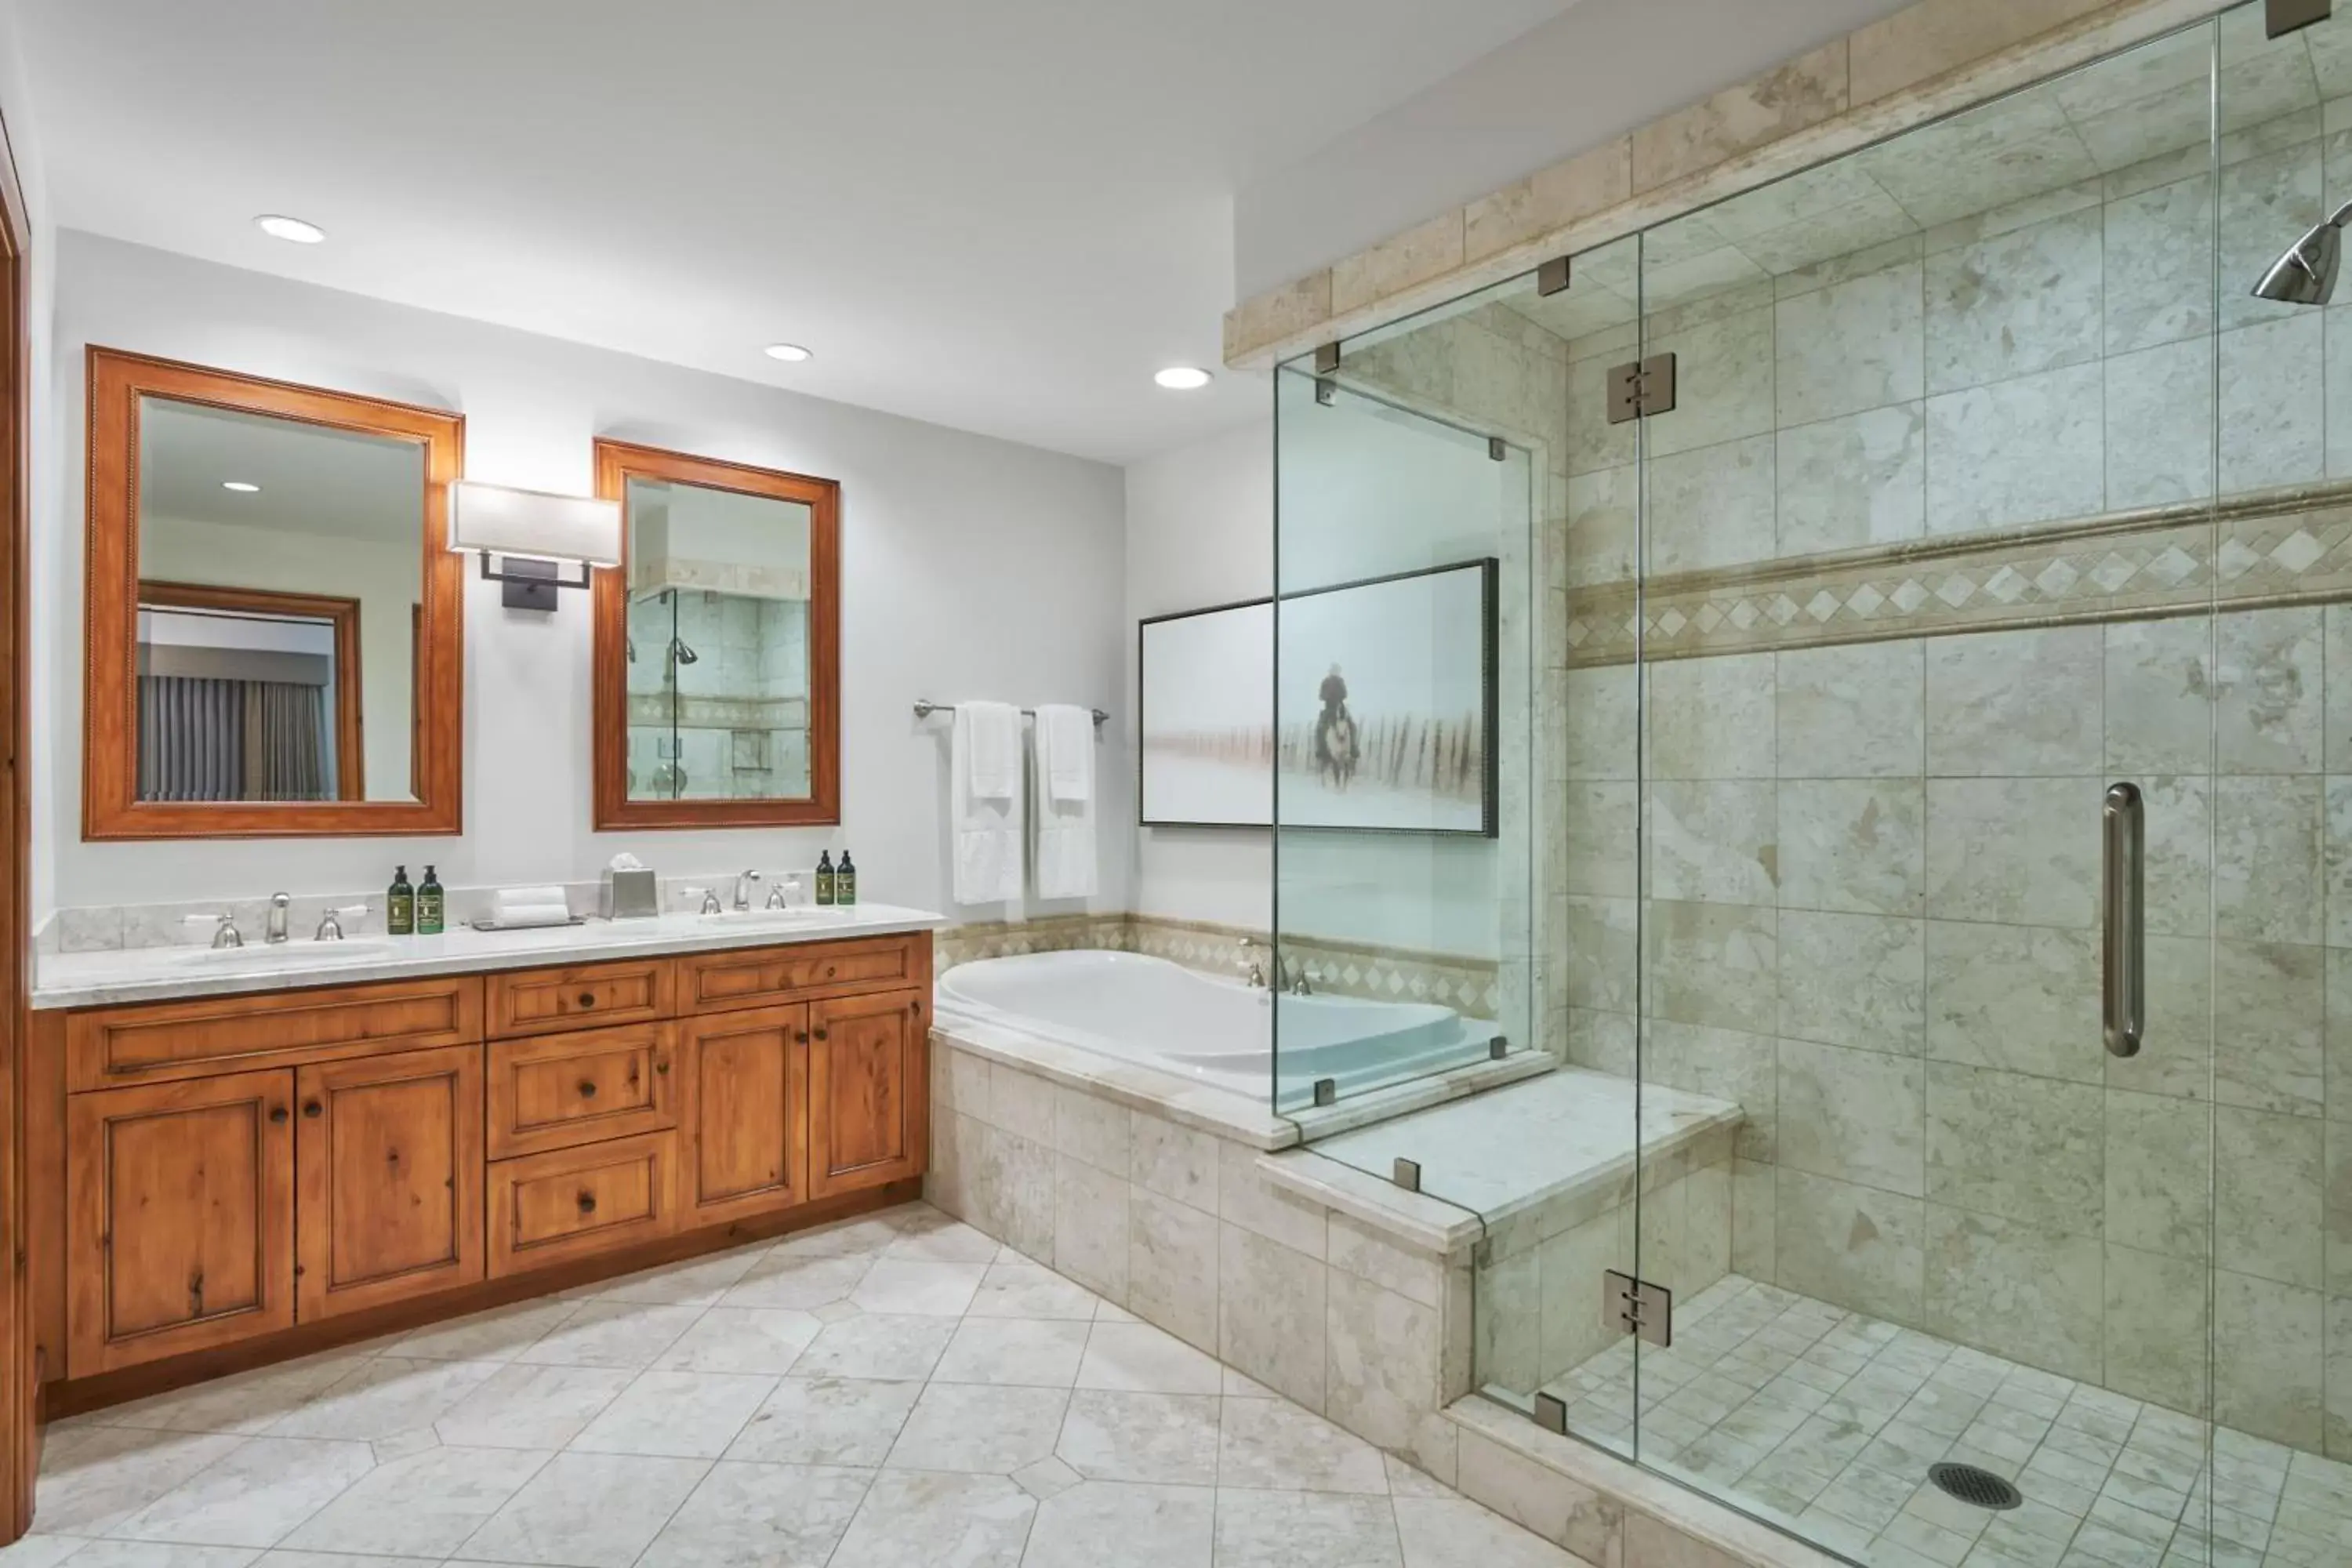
[868,1091]
[389,1159]
[748,1093]
[181,1199]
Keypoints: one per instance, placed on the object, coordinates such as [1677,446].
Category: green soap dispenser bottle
[844,882]
[400,905]
[824,887]
[428,905]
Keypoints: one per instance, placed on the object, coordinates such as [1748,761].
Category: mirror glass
[718,645]
[280,594]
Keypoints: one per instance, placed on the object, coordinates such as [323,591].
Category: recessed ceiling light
[1183,378]
[242,486]
[791,354]
[280,228]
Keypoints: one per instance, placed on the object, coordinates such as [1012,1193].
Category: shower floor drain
[1971,1485]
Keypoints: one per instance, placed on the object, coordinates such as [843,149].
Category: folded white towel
[1066,752]
[1065,825]
[988,739]
[515,916]
[984,823]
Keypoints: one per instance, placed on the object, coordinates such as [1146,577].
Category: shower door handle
[2123,981]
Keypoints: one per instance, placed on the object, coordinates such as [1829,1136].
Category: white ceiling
[998,215]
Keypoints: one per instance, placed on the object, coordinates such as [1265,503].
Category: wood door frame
[616,463]
[342,616]
[20,1445]
[112,808]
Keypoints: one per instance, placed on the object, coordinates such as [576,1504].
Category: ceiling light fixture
[242,486]
[277,226]
[1183,378]
[791,354]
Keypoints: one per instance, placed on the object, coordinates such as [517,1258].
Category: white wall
[1598,69]
[1200,532]
[972,567]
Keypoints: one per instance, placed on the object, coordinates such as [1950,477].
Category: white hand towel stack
[541,906]
[985,802]
[1065,746]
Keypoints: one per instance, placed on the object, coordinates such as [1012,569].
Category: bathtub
[1161,1014]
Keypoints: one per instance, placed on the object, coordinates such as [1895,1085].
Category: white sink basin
[285,955]
[805,917]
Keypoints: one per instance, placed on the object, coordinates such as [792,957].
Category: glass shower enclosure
[1923,706]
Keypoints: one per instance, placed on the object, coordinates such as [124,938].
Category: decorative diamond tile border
[1470,986]
[2283,546]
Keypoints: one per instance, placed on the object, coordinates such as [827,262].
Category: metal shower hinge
[1325,389]
[1551,1413]
[2283,16]
[1407,1174]
[1327,359]
[1637,1307]
[1639,389]
[1326,1091]
[1496,449]
[1551,278]
[1497,1048]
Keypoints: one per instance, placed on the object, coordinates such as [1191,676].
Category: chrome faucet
[1302,981]
[743,889]
[776,900]
[710,904]
[1246,960]
[225,931]
[273,926]
[331,924]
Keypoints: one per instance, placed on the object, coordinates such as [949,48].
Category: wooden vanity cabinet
[233,1168]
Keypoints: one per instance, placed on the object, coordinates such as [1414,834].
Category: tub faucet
[743,889]
[1302,982]
[273,927]
[1246,960]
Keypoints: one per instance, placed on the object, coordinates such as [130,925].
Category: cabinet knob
[277,1114]
[311,1108]
[587,1202]
[829,972]
[820,1033]
[587,998]
[662,1066]
[916,1008]
[802,1037]
[587,1091]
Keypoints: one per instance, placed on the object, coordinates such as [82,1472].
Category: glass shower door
[1935,721]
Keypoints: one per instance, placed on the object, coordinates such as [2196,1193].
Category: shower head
[2306,275]
[680,652]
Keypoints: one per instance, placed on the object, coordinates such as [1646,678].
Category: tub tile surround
[794,1402]
[1929,59]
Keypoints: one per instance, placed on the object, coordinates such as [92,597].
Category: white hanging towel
[1066,752]
[1065,802]
[984,800]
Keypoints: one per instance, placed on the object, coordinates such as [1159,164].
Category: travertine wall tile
[1551,199]
[1427,250]
[1924,40]
[1804,92]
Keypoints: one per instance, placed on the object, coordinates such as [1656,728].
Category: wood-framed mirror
[718,646]
[275,621]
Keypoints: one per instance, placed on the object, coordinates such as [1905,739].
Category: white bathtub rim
[1128,1083]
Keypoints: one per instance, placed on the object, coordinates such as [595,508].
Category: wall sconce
[533,533]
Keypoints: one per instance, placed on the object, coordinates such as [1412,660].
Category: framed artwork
[1207,715]
[1385,721]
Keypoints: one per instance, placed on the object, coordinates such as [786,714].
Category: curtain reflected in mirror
[280,582]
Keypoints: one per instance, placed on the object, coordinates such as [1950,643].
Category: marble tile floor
[1824,1422]
[892,1392]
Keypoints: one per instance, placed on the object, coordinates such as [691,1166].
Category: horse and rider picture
[1383,708]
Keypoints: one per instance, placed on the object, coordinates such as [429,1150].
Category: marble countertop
[165,974]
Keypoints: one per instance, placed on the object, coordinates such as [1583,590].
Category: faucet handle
[710,904]
[224,924]
[776,897]
[331,924]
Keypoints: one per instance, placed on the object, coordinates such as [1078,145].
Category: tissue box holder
[629,896]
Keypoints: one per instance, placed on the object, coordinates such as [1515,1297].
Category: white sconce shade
[535,524]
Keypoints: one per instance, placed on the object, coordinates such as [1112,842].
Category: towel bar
[924,709]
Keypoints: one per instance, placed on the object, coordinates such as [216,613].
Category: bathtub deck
[1547,1143]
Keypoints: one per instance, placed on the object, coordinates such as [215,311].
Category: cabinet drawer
[558,1092]
[575,1203]
[759,977]
[541,1001]
[107,1047]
